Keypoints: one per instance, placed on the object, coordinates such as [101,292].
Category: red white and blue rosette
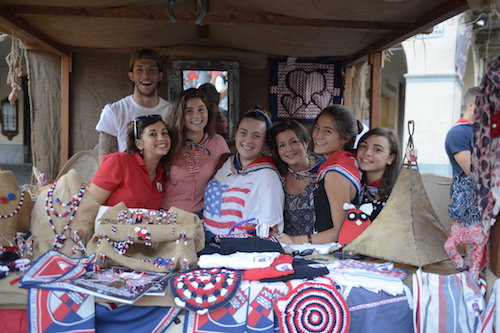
[313,306]
[204,290]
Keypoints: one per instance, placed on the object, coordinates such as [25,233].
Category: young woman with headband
[248,185]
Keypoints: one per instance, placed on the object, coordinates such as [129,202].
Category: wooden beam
[375,62]
[20,29]
[65,111]
[495,248]
[441,14]
[348,77]
[190,18]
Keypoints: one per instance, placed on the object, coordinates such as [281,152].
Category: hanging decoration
[300,89]
[14,60]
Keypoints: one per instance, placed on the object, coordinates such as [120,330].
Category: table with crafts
[315,293]
[368,295]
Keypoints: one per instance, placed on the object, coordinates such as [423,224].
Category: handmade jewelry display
[149,240]
[72,207]
[63,217]
[147,216]
[15,206]
[14,256]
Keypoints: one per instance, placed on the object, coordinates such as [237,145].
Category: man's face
[145,75]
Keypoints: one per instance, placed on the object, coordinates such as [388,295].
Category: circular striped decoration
[313,307]
[204,290]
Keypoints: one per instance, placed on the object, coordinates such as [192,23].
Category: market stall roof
[343,29]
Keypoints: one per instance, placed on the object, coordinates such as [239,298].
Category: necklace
[198,146]
[299,175]
[72,205]
[21,201]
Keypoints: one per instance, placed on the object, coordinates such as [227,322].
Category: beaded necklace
[18,208]
[72,205]
[299,175]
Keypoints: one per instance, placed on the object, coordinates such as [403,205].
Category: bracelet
[309,238]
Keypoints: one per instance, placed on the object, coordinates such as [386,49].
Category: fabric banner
[250,310]
[447,303]
[51,311]
[492,317]
[367,309]
[130,318]
[53,270]
[300,89]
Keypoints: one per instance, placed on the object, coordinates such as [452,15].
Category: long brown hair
[175,120]
[391,171]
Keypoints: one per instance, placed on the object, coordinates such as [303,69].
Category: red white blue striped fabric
[447,303]
[344,163]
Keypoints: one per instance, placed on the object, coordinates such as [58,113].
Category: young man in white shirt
[145,73]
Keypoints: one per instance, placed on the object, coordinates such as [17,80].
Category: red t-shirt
[126,176]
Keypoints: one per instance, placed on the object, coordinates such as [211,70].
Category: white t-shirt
[231,198]
[116,116]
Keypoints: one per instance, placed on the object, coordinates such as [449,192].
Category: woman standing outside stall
[289,142]
[339,179]
[248,184]
[136,177]
[192,124]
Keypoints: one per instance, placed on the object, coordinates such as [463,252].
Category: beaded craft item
[11,197]
[72,207]
[204,290]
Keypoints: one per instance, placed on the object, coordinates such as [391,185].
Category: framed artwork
[191,73]
[300,89]
[9,119]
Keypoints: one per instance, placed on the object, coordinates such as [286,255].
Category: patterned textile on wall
[300,89]
[485,159]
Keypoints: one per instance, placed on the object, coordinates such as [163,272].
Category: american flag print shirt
[233,197]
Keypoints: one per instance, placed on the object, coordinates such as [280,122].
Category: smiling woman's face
[374,154]
[290,149]
[249,139]
[326,138]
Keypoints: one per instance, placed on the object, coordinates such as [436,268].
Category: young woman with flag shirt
[248,184]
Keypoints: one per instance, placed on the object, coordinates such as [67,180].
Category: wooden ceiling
[343,29]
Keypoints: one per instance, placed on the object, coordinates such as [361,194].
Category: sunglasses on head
[141,118]
[302,253]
